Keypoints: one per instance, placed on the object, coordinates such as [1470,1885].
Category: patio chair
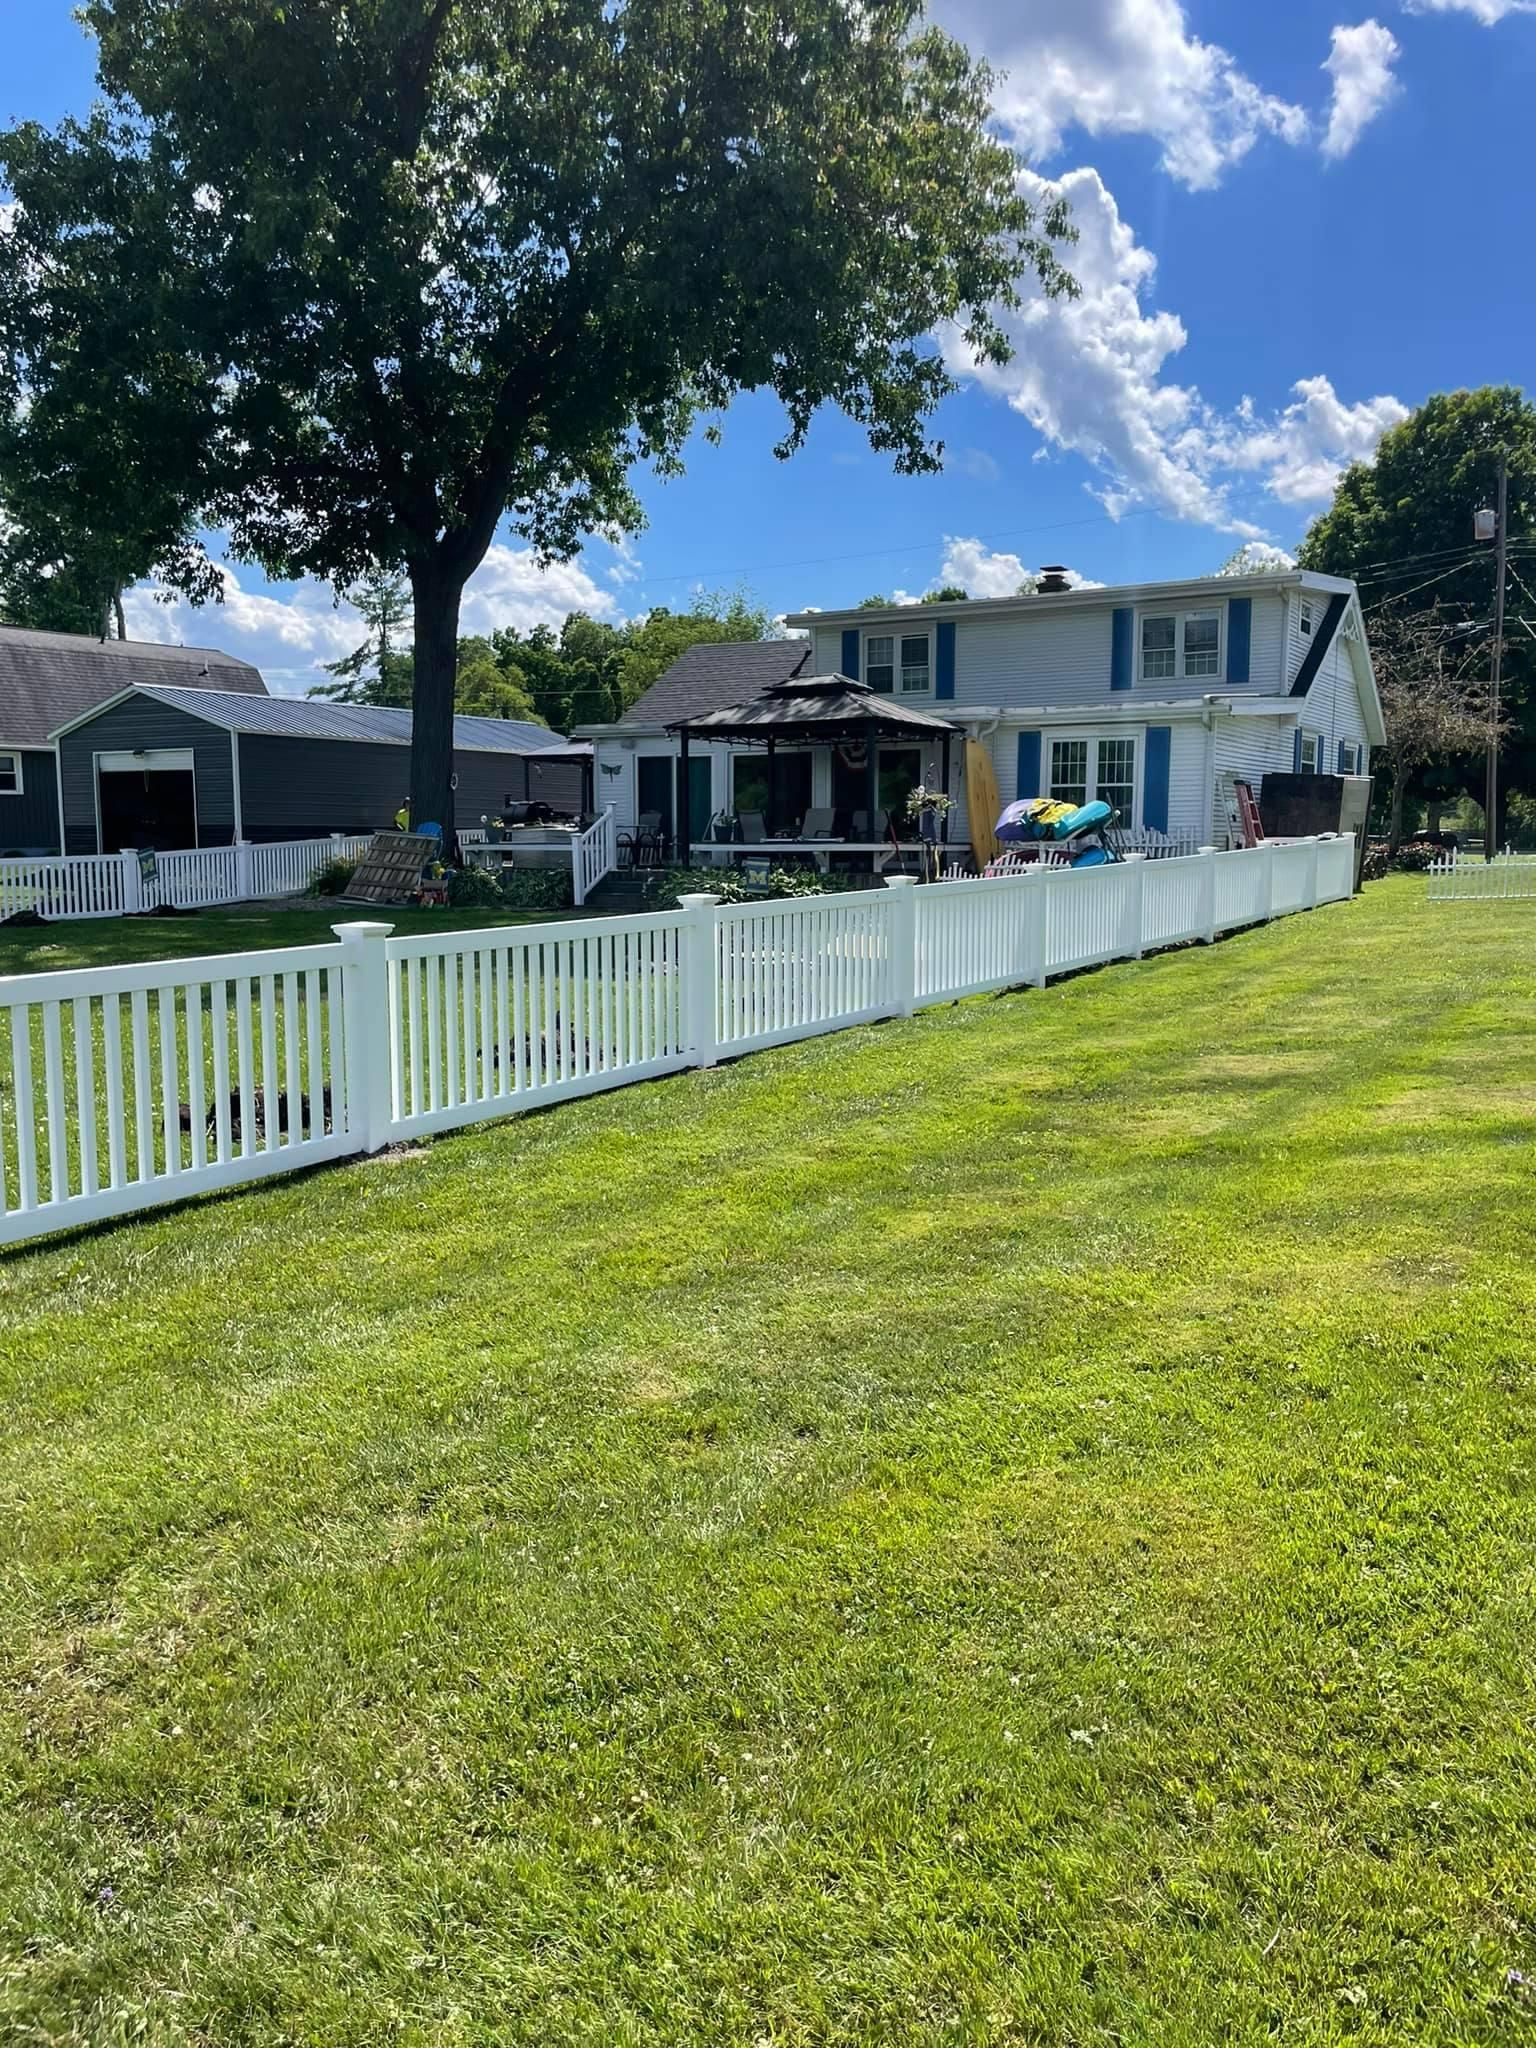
[754,828]
[817,824]
[640,848]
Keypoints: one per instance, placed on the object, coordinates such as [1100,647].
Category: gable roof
[50,679]
[715,674]
[810,707]
[306,718]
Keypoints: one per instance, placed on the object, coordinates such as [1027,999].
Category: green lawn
[1016,1527]
[103,941]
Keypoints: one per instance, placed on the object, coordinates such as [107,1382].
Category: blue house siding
[142,723]
[29,823]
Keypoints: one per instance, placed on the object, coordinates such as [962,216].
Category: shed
[50,679]
[169,767]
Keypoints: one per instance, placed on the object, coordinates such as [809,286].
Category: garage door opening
[147,800]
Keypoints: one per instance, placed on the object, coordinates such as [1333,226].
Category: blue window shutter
[1296,753]
[1154,784]
[1029,783]
[851,652]
[1239,638]
[1122,664]
[944,660]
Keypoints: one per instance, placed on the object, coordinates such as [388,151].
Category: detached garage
[170,767]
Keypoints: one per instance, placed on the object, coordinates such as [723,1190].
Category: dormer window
[1175,644]
[1306,618]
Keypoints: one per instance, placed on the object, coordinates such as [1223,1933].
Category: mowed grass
[1016,1527]
[113,941]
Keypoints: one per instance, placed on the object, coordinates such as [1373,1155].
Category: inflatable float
[1041,820]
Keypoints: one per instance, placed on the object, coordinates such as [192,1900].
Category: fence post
[903,945]
[1207,919]
[698,955]
[367,1021]
[133,892]
[1039,914]
[1313,852]
[243,891]
[1267,889]
[1132,942]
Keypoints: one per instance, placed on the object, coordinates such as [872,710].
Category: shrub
[473,889]
[730,885]
[535,889]
[332,878]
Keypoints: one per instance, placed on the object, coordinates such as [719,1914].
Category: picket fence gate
[65,886]
[125,1087]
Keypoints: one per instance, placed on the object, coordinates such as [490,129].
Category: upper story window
[892,659]
[1175,644]
[1306,618]
[10,775]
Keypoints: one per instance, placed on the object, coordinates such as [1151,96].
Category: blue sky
[1297,221]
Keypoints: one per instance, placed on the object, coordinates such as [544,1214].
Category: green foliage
[974,1529]
[948,593]
[398,273]
[375,672]
[536,889]
[730,885]
[470,887]
[1401,525]
[331,878]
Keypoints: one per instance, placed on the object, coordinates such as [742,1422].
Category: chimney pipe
[1053,581]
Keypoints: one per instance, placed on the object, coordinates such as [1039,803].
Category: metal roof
[815,707]
[51,679]
[306,718]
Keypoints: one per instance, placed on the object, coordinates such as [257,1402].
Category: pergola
[810,711]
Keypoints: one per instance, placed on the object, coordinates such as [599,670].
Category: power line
[1397,596]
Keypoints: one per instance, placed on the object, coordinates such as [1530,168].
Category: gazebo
[812,711]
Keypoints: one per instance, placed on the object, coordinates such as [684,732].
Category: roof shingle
[717,673]
[48,679]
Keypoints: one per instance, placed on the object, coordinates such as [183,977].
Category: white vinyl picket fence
[194,878]
[124,1087]
[1468,878]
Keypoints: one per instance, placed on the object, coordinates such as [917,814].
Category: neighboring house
[172,767]
[48,679]
[1152,696]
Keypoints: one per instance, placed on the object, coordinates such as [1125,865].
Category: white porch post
[243,890]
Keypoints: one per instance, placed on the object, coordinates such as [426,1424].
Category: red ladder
[1248,814]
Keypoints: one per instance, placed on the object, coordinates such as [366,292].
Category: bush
[473,889]
[1413,860]
[331,879]
[730,885]
[535,889]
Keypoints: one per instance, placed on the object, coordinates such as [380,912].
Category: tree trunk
[117,613]
[1395,827]
[435,611]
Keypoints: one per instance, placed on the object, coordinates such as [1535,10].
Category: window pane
[1117,777]
[1309,753]
[914,661]
[1157,648]
[880,661]
[1202,644]
[10,776]
[1069,771]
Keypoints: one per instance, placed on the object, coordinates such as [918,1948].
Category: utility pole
[1501,559]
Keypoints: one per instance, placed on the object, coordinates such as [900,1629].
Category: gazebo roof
[815,708]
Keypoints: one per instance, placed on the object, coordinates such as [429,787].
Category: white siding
[1267,672]
[1189,798]
[827,642]
[1331,707]
[1250,748]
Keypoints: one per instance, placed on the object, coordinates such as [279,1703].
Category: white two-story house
[1153,697]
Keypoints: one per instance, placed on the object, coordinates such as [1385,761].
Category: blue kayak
[1041,818]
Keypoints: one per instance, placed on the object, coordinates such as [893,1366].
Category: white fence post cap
[901,881]
[701,901]
[362,930]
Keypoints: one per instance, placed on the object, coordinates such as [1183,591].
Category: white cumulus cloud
[1091,376]
[1122,67]
[290,633]
[1488,12]
[1360,65]
[986,572]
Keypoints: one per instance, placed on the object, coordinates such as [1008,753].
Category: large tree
[1436,699]
[1401,525]
[429,265]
